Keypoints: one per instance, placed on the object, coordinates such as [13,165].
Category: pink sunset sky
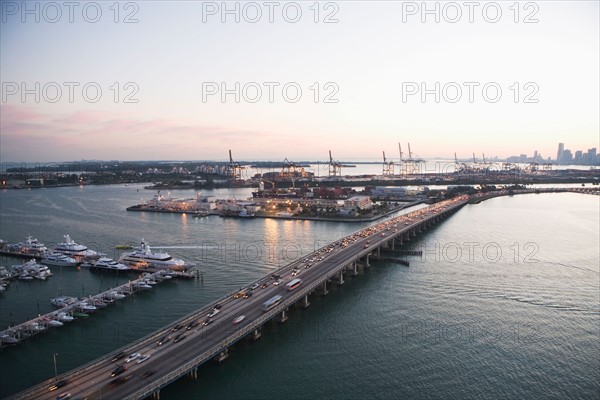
[365,61]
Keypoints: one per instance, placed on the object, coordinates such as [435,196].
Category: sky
[189,80]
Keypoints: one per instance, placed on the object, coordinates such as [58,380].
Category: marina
[72,308]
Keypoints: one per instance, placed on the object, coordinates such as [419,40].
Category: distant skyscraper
[578,157]
[561,148]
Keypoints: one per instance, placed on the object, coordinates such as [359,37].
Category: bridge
[196,338]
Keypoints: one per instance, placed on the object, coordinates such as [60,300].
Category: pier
[14,335]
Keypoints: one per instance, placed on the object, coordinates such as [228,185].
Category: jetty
[70,308]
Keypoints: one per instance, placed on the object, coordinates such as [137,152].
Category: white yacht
[108,264]
[144,258]
[30,246]
[72,249]
[32,270]
[59,260]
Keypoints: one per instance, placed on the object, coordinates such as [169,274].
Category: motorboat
[59,260]
[55,323]
[64,317]
[117,295]
[143,286]
[72,249]
[108,264]
[63,301]
[143,258]
[32,269]
[86,307]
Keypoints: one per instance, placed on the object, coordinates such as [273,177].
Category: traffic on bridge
[142,368]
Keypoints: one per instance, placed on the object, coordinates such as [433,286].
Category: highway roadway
[198,341]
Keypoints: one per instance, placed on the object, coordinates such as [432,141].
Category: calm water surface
[504,303]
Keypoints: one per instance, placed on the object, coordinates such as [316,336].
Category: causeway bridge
[196,338]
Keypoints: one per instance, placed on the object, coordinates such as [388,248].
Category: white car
[132,357]
[213,313]
[277,282]
[143,358]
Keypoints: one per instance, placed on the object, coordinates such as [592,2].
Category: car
[238,319]
[217,306]
[277,282]
[176,328]
[191,325]
[148,373]
[366,245]
[118,371]
[118,356]
[163,340]
[213,313]
[264,285]
[239,294]
[58,385]
[179,338]
[63,396]
[120,380]
[248,294]
[255,286]
[132,357]
[207,322]
[143,358]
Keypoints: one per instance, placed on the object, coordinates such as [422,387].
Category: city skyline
[159,85]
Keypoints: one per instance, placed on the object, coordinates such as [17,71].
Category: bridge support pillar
[413,232]
[354,268]
[341,278]
[393,244]
[256,335]
[193,374]
[305,303]
[324,289]
[222,356]
[367,263]
[156,395]
[283,317]
[378,253]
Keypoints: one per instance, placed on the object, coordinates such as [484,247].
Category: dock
[79,307]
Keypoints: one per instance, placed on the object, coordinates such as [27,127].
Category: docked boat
[144,258]
[63,301]
[143,286]
[117,295]
[108,264]
[59,260]
[6,339]
[72,249]
[30,247]
[54,323]
[86,308]
[32,270]
[64,317]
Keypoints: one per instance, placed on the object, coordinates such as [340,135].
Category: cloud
[30,135]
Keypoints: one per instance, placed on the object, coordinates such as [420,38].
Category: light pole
[55,370]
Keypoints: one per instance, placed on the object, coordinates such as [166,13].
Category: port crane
[234,169]
[388,166]
[335,167]
[411,165]
[460,167]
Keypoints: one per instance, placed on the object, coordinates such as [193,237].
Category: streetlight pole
[55,370]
